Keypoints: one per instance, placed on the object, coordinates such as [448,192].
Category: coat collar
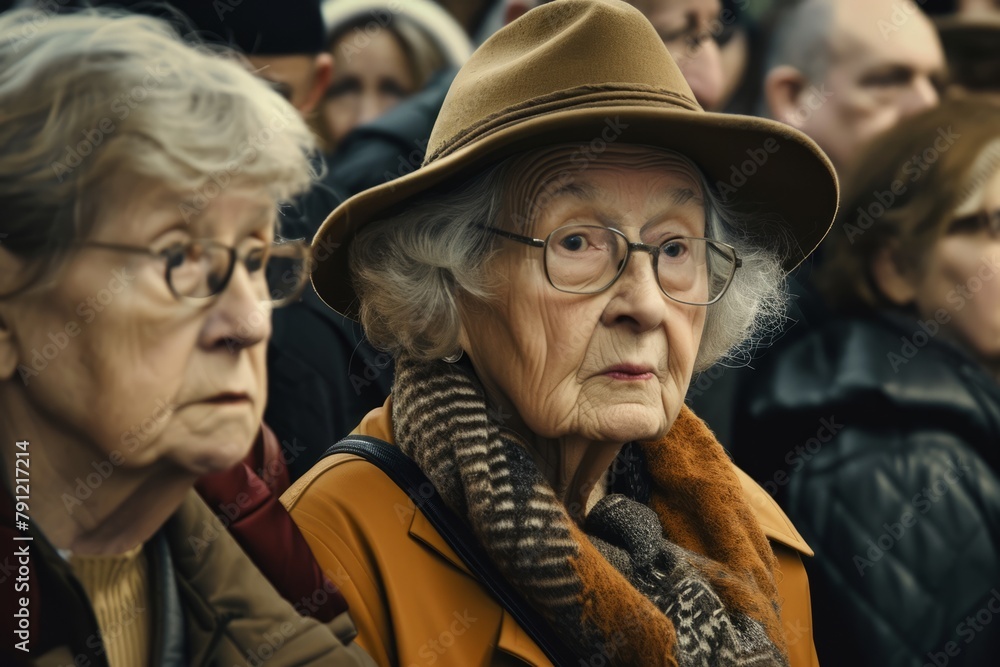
[774,522]
[512,639]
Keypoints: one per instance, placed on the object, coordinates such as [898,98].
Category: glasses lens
[583,259]
[198,269]
[287,272]
[682,269]
[694,270]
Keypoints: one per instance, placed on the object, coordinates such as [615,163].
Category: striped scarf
[685,580]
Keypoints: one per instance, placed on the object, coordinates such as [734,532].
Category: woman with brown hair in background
[879,431]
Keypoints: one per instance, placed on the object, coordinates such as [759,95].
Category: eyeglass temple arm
[538,243]
[111,246]
[737,258]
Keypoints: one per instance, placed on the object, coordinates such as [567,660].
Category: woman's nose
[637,300]
[240,317]
[702,68]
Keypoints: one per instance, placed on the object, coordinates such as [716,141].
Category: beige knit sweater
[118,587]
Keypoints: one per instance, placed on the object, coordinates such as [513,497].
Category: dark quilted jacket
[882,445]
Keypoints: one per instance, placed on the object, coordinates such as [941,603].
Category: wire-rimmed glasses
[587,259]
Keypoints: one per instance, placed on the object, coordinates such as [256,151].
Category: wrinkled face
[371,75]
[962,278]
[608,367]
[879,73]
[688,28]
[112,358]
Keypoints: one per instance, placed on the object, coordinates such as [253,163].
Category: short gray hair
[801,38]
[92,96]
[409,267]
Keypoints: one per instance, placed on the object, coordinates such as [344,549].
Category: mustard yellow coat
[415,603]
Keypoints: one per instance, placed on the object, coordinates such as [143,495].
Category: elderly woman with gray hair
[571,251]
[139,181]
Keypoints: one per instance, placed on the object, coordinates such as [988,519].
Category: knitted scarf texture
[683,581]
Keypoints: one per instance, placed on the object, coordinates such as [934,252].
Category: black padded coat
[882,443]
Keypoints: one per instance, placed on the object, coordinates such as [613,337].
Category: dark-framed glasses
[974,223]
[587,259]
[202,268]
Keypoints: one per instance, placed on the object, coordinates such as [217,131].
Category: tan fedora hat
[591,71]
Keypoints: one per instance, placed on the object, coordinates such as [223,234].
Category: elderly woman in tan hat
[581,238]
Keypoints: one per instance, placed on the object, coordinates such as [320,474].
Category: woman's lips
[630,373]
[228,398]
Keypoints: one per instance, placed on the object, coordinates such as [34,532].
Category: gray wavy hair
[91,97]
[408,269]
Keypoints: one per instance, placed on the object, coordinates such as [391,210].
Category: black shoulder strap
[410,478]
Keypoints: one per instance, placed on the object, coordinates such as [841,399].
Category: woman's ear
[783,87]
[895,284]
[463,334]
[322,75]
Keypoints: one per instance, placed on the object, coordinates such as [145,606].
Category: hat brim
[772,171]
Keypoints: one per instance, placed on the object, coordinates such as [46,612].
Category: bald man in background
[844,71]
